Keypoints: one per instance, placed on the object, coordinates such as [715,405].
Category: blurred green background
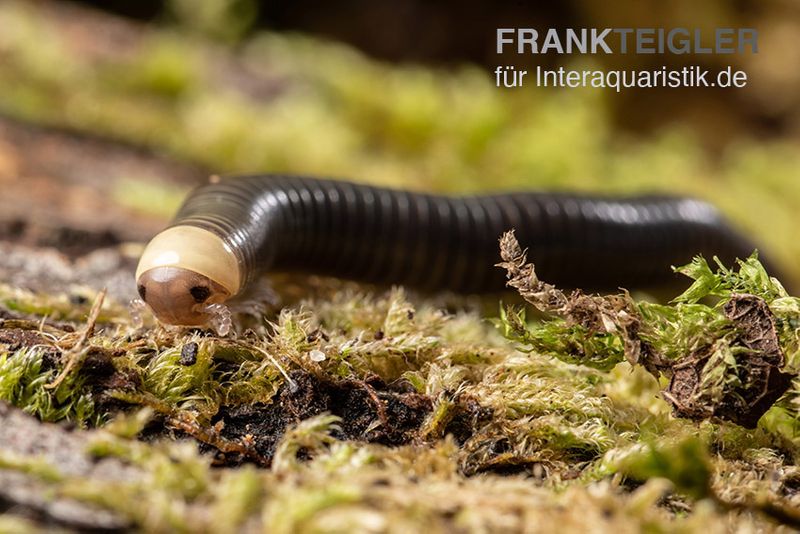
[231,86]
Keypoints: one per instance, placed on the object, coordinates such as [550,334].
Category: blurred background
[111,110]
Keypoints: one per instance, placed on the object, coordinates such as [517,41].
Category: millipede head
[179,296]
[185,273]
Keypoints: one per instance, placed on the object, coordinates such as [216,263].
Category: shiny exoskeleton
[433,242]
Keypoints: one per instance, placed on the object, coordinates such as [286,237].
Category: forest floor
[347,406]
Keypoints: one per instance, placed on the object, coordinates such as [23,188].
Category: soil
[468,415]
[370,411]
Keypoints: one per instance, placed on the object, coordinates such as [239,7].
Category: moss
[23,377]
[175,383]
[685,463]
[538,431]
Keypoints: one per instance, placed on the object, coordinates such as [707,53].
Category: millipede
[230,231]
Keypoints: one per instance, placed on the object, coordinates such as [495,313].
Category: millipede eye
[142,291]
[199,293]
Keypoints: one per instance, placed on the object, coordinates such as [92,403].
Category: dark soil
[370,410]
[14,339]
[468,415]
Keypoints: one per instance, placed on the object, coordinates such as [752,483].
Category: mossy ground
[391,415]
[374,409]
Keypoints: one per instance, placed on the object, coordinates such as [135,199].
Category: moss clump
[724,359]
[23,377]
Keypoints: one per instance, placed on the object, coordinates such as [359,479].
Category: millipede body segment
[230,231]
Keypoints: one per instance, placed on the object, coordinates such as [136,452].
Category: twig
[74,354]
[211,436]
[380,407]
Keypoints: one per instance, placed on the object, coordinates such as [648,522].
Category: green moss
[23,377]
[178,384]
[685,464]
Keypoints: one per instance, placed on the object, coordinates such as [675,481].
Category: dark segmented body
[438,242]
